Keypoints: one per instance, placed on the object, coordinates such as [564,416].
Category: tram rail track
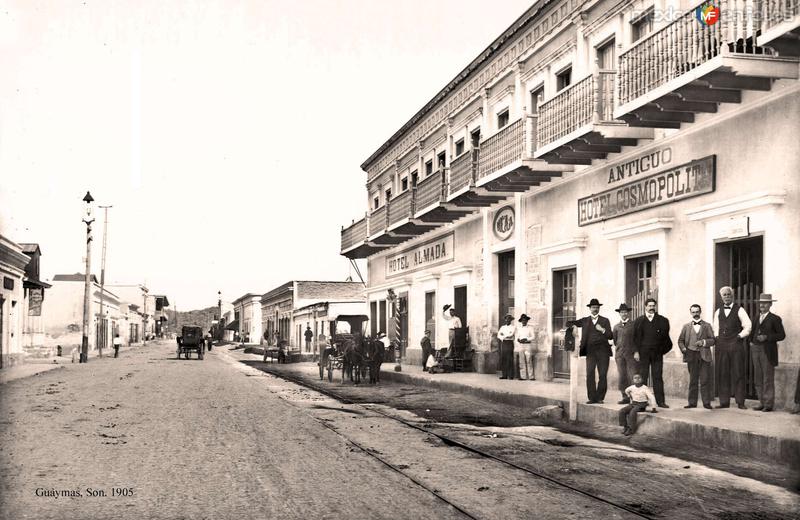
[449,442]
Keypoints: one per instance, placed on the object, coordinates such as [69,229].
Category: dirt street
[150,436]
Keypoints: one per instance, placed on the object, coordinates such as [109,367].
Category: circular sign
[504,223]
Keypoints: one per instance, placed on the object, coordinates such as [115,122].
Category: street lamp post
[87,219]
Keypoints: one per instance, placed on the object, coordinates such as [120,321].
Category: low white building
[12,301]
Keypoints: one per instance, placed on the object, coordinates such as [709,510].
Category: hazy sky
[226,134]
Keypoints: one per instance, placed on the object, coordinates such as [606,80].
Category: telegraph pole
[100,344]
[87,302]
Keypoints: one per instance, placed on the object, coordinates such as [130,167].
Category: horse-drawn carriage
[191,339]
[351,350]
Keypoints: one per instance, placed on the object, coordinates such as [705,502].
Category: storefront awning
[234,325]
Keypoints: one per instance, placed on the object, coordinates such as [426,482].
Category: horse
[374,352]
[353,361]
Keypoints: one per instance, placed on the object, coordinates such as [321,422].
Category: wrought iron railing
[400,207]
[430,190]
[355,234]
[687,43]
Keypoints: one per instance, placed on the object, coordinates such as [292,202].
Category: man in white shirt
[731,326]
[506,336]
[526,338]
[453,322]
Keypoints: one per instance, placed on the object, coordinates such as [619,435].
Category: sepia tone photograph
[417,259]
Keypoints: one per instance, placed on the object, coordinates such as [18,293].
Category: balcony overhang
[521,175]
[592,141]
[721,79]
[362,250]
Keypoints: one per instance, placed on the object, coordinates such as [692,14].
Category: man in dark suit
[766,333]
[695,343]
[651,341]
[595,335]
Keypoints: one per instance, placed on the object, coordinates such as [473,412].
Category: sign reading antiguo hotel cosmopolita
[681,182]
[434,252]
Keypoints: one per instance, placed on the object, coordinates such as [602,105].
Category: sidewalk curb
[7,378]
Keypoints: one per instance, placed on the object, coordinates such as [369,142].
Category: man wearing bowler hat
[767,332]
[595,335]
[624,351]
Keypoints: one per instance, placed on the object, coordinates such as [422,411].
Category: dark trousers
[116,350]
[626,368]
[699,373]
[507,359]
[627,415]
[652,361]
[764,375]
[597,360]
[730,360]
[425,353]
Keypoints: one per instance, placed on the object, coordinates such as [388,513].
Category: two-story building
[160,318]
[609,149]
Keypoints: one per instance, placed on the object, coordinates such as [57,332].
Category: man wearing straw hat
[767,332]
[595,335]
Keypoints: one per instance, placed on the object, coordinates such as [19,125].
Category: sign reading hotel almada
[431,253]
[644,189]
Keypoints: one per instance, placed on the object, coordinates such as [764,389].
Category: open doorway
[740,265]
[564,310]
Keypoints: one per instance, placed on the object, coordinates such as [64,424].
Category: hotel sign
[431,253]
[35,297]
[682,182]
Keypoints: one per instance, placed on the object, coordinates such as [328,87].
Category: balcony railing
[462,170]
[355,234]
[430,190]
[378,220]
[589,100]
[511,144]
[775,12]
[400,207]
[687,43]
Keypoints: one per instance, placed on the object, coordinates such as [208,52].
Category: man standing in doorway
[454,322]
[595,335]
[767,332]
[527,356]
[506,336]
[695,343]
[308,335]
[651,341]
[732,326]
[624,352]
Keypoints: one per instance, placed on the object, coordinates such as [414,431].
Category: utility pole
[101,344]
[87,219]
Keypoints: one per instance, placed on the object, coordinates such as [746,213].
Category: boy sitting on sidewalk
[640,396]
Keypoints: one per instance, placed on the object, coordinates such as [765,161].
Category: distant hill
[198,318]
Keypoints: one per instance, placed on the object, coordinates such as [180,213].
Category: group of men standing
[641,346]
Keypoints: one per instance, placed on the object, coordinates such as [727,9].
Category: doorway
[564,310]
[505,268]
[740,265]
[460,303]
[430,316]
[2,322]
